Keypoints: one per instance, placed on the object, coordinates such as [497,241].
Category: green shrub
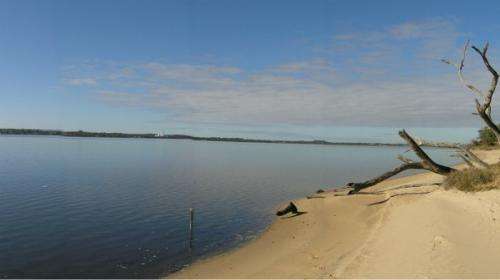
[486,137]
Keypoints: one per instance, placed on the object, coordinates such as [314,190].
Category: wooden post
[191,220]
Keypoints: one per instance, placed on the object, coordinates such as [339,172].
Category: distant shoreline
[80,133]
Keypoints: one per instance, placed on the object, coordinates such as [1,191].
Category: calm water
[95,207]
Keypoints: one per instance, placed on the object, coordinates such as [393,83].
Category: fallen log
[394,195]
[426,163]
[384,191]
[314,196]
[291,208]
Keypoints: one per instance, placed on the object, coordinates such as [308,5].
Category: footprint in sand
[439,242]
[314,257]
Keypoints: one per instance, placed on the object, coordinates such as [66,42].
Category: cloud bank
[382,77]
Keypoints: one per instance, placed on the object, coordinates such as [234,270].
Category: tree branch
[465,159]
[462,151]
[484,109]
[460,67]
[494,74]
[405,166]
[426,163]
[404,159]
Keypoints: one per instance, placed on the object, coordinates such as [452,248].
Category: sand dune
[389,233]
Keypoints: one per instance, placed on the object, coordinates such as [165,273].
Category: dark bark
[484,108]
[425,163]
[291,208]
[405,166]
[483,112]
[462,151]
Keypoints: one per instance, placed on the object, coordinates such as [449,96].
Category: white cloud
[424,29]
[365,79]
[81,82]
[408,44]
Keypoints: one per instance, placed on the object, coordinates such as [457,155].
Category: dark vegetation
[486,139]
[80,133]
[477,179]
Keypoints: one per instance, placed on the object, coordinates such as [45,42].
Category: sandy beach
[389,232]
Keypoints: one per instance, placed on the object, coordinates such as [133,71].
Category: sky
[332,70]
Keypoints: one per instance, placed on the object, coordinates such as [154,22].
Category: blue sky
[277,69]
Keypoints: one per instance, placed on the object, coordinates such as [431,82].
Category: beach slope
[391,232]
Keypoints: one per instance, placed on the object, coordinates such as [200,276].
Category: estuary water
[99,207]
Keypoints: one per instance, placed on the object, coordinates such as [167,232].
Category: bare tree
[484,108]
[426,163]
[462,151]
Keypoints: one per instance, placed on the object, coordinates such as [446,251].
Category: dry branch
[404,159]
[314,196]
[483,109]
[384,191]
[466,160]
[460,67]
[462,151]
[425,163]
[394,195]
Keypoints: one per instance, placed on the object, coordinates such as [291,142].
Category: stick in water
[191,219]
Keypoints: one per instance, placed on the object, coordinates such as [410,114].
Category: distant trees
[79,133]
[486,137]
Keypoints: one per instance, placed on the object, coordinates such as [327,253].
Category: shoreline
[390,232]
[120,135]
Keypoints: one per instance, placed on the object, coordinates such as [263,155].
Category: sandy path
[419,232]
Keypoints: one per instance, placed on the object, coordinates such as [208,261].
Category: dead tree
[483,109]
[462,151]
[426,163]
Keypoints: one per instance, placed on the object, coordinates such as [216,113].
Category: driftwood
[314,196]
[291,208]
[426,163]
[383,191]
[398,194]
[466,160]
[469,157]
[462,151]
[483,109]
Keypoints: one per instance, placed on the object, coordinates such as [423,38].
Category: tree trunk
[487,119]
[462,151]
[484,109]
[405,166]
[426,163]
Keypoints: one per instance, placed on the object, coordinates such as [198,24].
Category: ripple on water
[119,207]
